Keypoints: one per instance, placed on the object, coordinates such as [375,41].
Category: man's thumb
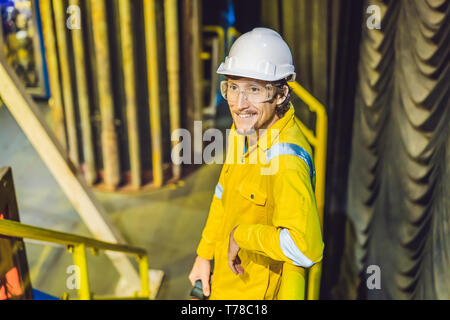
[205,286]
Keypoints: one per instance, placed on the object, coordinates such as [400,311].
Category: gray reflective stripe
[294,150]
[218,191]
[291,250]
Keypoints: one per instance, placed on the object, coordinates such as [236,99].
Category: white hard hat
[259,54]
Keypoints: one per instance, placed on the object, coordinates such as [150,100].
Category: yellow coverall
[275,210]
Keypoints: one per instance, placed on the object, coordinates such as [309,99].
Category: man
[263,228]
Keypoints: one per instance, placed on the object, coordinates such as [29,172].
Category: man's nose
[242,102]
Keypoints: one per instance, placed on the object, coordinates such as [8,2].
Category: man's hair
[283,107]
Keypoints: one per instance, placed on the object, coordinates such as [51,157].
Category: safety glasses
[254,93]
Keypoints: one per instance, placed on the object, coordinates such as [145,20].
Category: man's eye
[233,87]
[255,89]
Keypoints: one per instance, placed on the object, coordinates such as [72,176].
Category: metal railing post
[143,270]
[79,258]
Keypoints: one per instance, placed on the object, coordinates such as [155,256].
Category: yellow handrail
[221,35]
[77,246]
[232,32]
[319,143]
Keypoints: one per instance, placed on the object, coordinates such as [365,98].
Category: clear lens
[253,92]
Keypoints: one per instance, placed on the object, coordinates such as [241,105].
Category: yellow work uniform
[272,203]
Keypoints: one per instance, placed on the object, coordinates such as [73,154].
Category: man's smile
[246,115]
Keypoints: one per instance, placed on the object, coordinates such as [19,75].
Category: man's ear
[283,96]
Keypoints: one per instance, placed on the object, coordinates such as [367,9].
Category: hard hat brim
[254,75]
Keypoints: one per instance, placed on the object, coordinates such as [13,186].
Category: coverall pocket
[253,194]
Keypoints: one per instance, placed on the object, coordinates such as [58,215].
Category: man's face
[250,116]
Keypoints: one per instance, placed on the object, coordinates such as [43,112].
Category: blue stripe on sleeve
[294,150]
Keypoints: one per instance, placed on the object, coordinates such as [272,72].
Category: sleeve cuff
[205,249]
[241,235]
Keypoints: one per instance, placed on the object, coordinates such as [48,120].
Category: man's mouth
[246,115]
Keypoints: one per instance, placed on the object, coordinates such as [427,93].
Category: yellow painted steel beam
[67,85]
[319,142]
[128,65]
[83,102]
[56,102]
[110,152]
[173,73]
[151,43]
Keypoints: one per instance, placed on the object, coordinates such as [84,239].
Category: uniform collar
[274,131]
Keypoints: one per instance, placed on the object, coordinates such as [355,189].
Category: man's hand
[201,271]
[234,262]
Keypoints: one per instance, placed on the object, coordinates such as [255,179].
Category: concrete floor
[167,222]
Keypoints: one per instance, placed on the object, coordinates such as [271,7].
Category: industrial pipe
[128,65]
[151,43]
[173,69]
[67,85]
[56,103]
[110,150]
[90,172]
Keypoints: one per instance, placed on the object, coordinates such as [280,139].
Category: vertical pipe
[197,72]
[79,259]
[83,102]
[51,55]
[143,270]
[151,43]
[67,85]
[173,69]
[196,61]
[126,36]
[110,150]
[320,49]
